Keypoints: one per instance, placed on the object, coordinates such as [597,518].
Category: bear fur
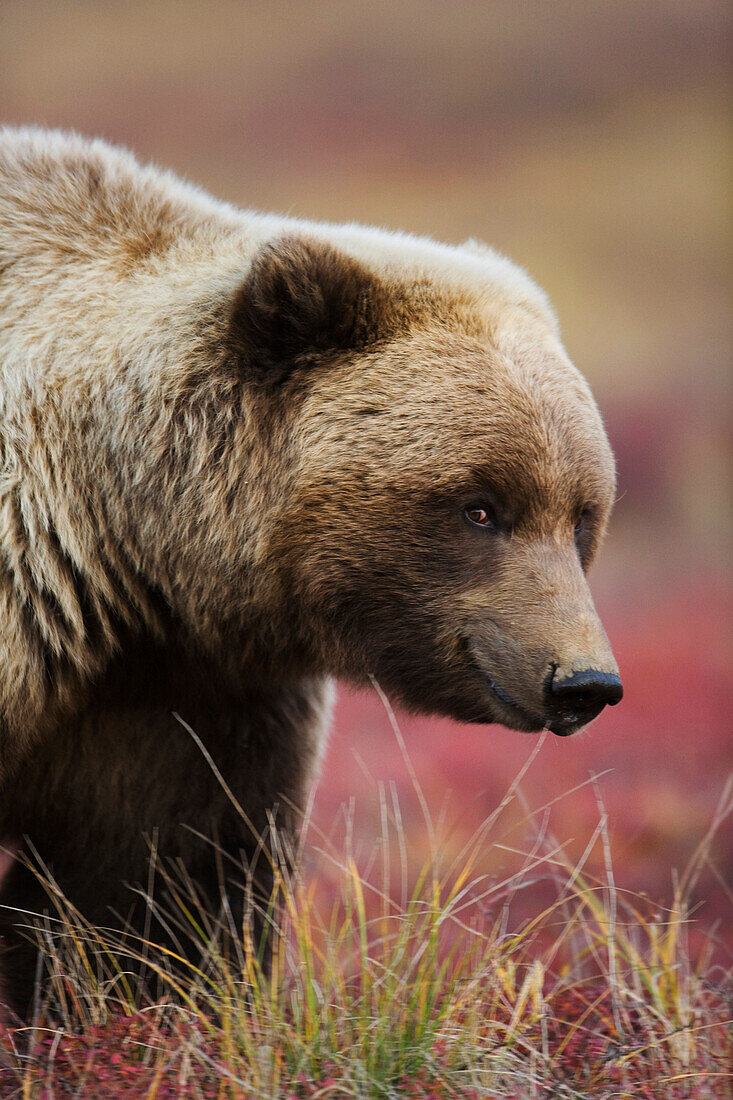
[241,455]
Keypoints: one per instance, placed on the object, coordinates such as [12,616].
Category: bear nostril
[584,691]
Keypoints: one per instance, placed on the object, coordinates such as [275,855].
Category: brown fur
[235,453]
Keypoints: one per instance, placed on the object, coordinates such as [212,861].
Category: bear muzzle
[558,675]
[539,643]
[566,704]
[577,698]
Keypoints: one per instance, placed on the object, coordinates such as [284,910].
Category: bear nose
[583,694]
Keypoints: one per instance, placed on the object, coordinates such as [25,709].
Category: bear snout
[575,700]
[530,691]
[540,642]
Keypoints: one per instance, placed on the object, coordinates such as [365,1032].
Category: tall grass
[428,994]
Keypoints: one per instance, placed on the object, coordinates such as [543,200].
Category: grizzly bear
[241,455]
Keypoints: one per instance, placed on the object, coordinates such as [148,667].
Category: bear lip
[508,701]
[503,695]
[573,723]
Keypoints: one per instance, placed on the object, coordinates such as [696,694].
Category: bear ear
[302,298]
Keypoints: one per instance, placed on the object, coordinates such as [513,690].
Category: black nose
[582,696]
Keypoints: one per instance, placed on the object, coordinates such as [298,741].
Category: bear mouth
[512,705]
[512,713]
[573,722]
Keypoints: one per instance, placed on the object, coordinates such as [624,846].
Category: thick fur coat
[242,454]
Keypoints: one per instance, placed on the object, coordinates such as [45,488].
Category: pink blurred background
[590,142]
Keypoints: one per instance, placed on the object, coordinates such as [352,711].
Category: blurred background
[589,141]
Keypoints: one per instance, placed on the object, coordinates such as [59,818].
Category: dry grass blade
[421,995]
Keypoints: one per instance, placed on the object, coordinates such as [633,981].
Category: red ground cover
[136,1057]
[663,756]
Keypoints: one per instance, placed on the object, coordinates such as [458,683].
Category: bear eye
[581,522]
[481,515]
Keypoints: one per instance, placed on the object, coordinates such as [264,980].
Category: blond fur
[217,429]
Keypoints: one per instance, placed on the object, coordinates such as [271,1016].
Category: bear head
[447,485]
